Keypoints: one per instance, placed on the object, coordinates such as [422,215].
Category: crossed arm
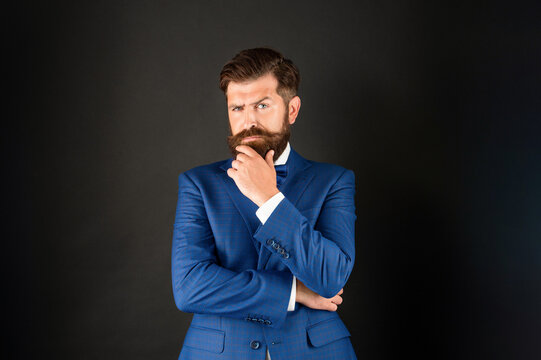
[321,262]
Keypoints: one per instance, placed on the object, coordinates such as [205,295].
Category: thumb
[268,158]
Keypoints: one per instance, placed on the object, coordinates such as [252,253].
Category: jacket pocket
[326,332]
[205,339]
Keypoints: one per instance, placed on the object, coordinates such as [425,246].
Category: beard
[276,141]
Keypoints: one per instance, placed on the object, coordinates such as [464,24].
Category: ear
[293,108]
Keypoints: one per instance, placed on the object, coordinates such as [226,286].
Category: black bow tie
[281,174]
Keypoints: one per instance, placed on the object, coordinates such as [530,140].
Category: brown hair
[251,64]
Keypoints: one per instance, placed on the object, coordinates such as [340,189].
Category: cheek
[234,124]
[274,120]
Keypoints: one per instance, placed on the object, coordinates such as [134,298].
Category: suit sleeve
[322,256]
[201,285]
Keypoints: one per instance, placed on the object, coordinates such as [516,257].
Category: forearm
[206,288]
[316,260]
[322,257]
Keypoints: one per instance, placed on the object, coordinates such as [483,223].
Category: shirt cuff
[268,207]
[293,296]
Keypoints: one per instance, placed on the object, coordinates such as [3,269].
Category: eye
[236,108]
[262,106]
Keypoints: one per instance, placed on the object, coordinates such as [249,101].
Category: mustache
[254,131]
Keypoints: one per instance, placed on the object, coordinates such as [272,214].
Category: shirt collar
[282,159]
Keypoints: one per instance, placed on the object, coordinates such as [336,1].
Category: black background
[434,106]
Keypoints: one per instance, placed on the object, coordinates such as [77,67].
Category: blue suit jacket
[235,274]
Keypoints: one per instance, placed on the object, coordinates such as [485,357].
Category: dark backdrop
[434,106]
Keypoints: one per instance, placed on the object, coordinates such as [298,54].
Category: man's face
[258,116]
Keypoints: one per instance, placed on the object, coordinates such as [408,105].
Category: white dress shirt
[263,214]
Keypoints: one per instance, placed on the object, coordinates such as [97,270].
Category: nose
[250,119]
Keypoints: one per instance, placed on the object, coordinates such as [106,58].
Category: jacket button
[267,322]
[286,255]
[255,344]
[270,242]
[282,251]
[275,246]
[248,319]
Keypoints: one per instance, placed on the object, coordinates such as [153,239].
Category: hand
[255,177]
[313,300]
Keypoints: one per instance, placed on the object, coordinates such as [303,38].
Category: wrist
[266,197]
[299,292]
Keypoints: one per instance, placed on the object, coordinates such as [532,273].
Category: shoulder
[327,167]
[331,172]
[324,172]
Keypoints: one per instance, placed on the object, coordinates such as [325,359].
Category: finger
[325,304]
[242,157]
[337,300]
[340,292]
[332,307]
[269,158]
[245,149]
[235,164]
[232,173]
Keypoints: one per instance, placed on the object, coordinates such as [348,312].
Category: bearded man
[264,242]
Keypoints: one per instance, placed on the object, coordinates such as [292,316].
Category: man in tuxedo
[263,243]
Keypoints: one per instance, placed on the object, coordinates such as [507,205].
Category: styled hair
[251,64]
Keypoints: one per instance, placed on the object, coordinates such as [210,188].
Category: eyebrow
[257,102]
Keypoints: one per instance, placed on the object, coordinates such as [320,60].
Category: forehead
[259,88]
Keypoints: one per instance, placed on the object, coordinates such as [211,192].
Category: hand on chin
[258,144]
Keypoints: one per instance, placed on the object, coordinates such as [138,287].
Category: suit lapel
[300,174]
[245,206]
